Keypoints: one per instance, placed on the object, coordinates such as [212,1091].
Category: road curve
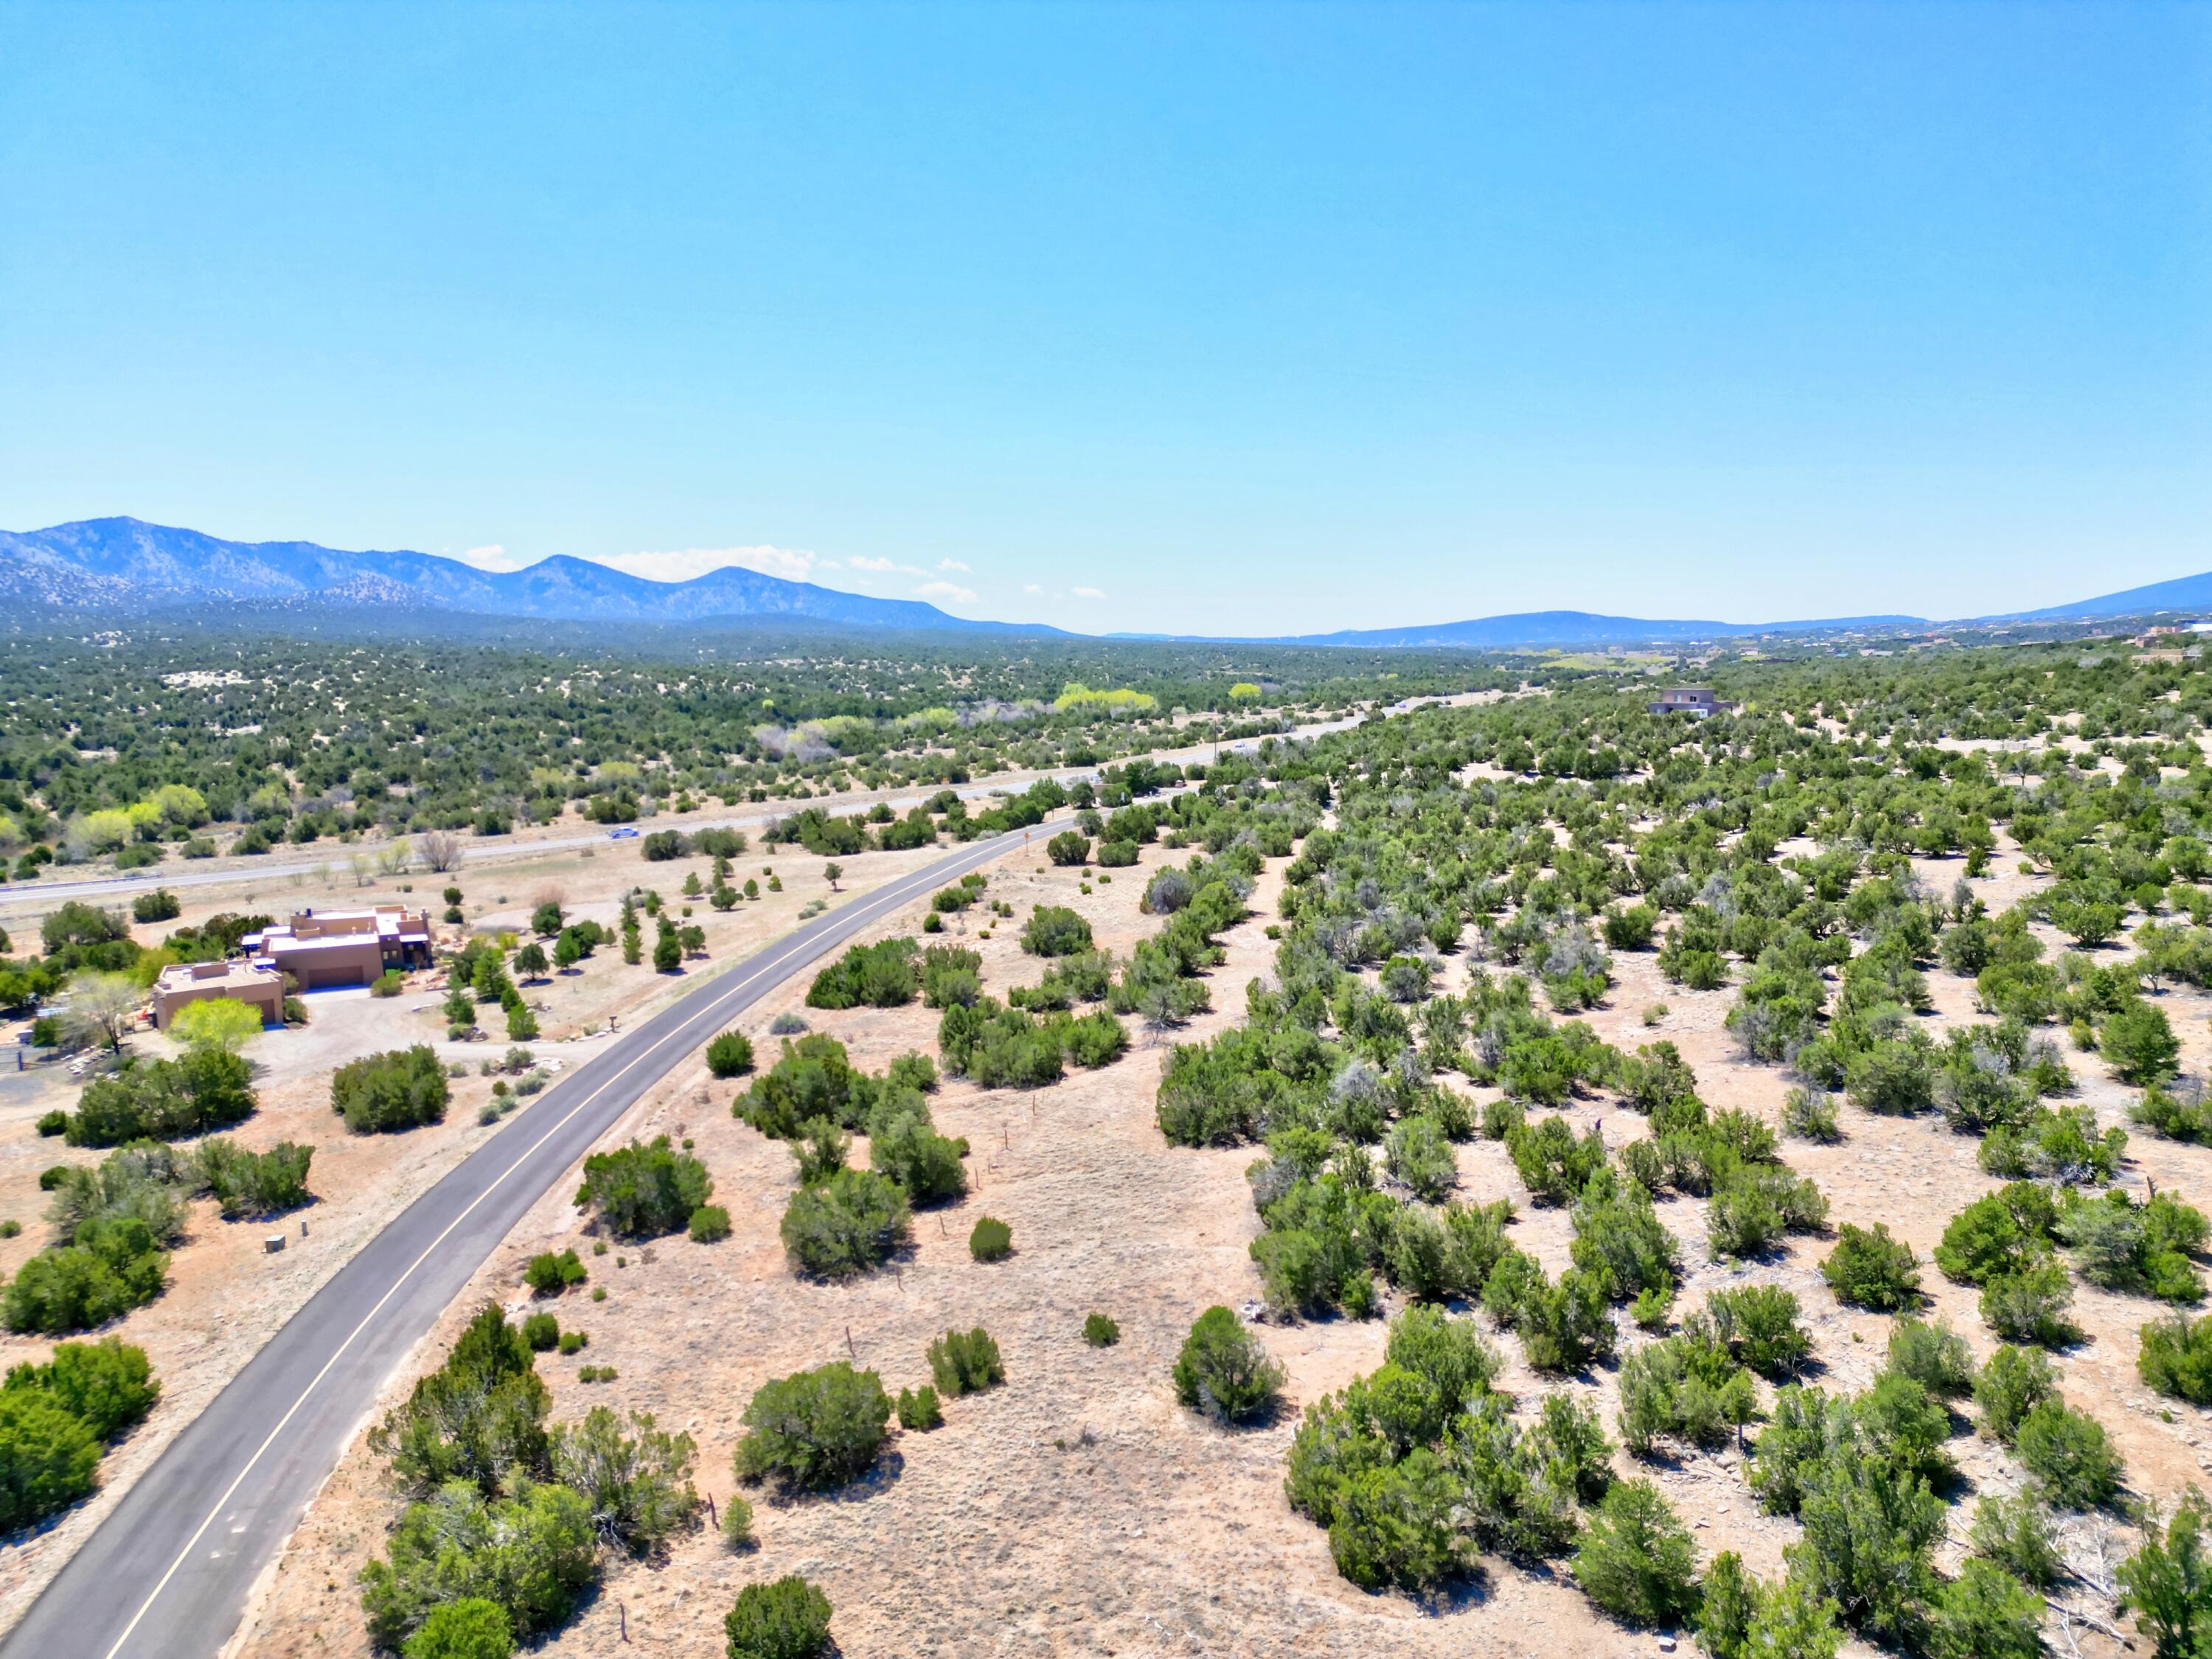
[167,1572]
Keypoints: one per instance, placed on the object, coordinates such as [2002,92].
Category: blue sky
[1207,318]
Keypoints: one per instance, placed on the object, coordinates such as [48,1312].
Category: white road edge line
[199,1532]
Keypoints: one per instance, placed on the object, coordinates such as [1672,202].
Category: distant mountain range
[125,564]
[111,566]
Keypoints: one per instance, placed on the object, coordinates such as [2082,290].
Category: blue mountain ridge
[126,565]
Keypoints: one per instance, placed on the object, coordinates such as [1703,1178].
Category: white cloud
[1090,592]
[887,566]
[1032,587]
[792,564]
[952,564]
[495,557]
[950,591]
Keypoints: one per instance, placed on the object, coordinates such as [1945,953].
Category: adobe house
[1695,701]
[182,983]
[330,948]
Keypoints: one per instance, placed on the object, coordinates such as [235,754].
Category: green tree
[1636,1559]
[644,1190]
[215,1022]
[48,1458]
[1225,1370]
[814,1430]
[2167,1582]
[2139,1045]
[396,1090]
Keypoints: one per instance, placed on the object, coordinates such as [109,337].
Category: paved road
[167,1574]
[495,847]
[260,870]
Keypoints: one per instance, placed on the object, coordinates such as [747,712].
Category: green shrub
[847,1225]
[2176,1357]
[1565,1326]
[730,1054]
[951,976]
[1397,1524]
[573,1343]
[549,1272]
[252,1184]
[1417,1153]
[114,1267]
[789,1619]
[2030,1305]
[737,1522]
[1068,848]
[1685,1388]
[2016,1534]
[54,1122]
[635,1476]
[880,975]
[1636,1559]
[1101,1332]
[2070,1455]
[468,1628]
[2164,1583]
[158,905]
[48,1457]
[917,1072]
[535,1553]
[1985,1613]
[710,1224]
[2013,1383]
[1728,1601]
[992,1240]
[1933,1356]
[918,1409]
[542,1331]
[644,1191]
[1998,1233]
[164,1100]
[903,1145]
[1757,1323]
[1552,1164]
[1619,1241]
[1052,930]
[1810,1115]
[2138,1044]
[966,1362]
[1870,1269]
[812,1078]
[816,1429]
[1869,1533]
[106,1385]
[1225,1370]
[400,1089]
[478,1418]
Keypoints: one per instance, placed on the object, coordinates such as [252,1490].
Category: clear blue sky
[1201,318]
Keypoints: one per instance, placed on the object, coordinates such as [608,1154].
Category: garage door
[323,979]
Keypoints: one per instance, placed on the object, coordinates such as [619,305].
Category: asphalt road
[168,1573]
[263,870]
[494,847]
